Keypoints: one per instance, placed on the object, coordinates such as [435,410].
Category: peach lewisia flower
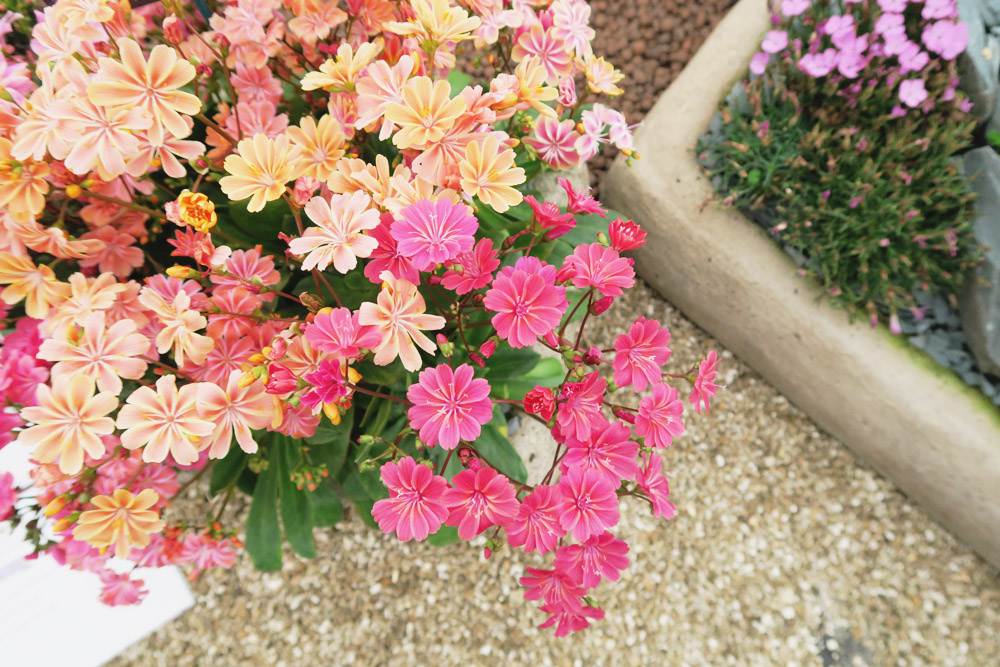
[152,86]
[399,315]
[338,74]
[180,325]
[22,184]
[36,284]
[234,411]
[69,421]
[489,173]
[121,519]
[338,238]
[165,420]
[321,145]
[259,169]
[437,21]
[427,112]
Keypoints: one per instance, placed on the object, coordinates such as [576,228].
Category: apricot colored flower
[259,169]
[104,353]
[489,173]
[197,210]
[22,184]
[70,421]
[532,90]
[316,20]
[153,86]
[37,285]
[164,421]
[235,411]
[436,20]
[86,295]
[180,326]
[321,144]
[121,519]
[106,136]
[399,315]
[339,237]
[425,114]
[380,85]
[602,76]
[339,73]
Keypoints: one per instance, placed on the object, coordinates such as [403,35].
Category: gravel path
[786,550]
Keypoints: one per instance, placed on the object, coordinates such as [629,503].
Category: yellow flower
[259,169]
[602,76]
[426,114]
[532,91]
[436,20]
[36,284]
[489,173]
[338,74]
[121,519]
[22,184]
[197,210]
[321,145]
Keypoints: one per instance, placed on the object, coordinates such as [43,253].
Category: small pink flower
[548,217]
[449,406]
[640,354]
[554,140]
[704,383]
[329,384]
[601,268]
[204,552]
[416,504]
[120,589]
[600,556]
[794,7]
[775,41]
[626,235]
[430,232]
[387,256]
[758,64]
[567,622]
[552,587]
[537,527]
[480,499]
[337,332]
[608,451]
[581,412]
[472,270]
[580,201]
[280,380]
[8,495]
[659,419]
[590,504]
[912,92]
[540,401]
[526,301]
[654,485]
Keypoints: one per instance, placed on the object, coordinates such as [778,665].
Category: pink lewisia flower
[204,552]
[449,405]
[480,499]
[567,622]
[659,419]
[249,269]
[537,527]
[299,422]
[472,270]
[416,505]
[580,201]
[581,412]
[526,301]
[625,235]
[554,141]
[601,268]
[912,92]
[704,383]
[387,257]
[430,232]
[553,588]
[548,217]
[590,504]
[234,411]
[540,401]
[600,556]
[338,238]
[329,384]
[640,353]
[8,495]
[654,485]
[608,451]
[119,590]
[338,332]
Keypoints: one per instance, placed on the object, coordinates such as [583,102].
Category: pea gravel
[786,549]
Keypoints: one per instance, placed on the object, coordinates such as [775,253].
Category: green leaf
[548,373]
[446,535]
[330,446]
[586,231]
[264,224]
[296,510]
[497,450]
[227,470]
[362,501]
[508,362]
[327,509]
[458,81]
[247,481]
[262,529]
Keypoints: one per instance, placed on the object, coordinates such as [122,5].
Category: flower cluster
[283,248]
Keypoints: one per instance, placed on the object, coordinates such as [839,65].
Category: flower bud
[173,30]
[365,440]
[601,305]
[304,189]
[566,273]
[73,191]
[477,360]
[593,356]
[626,235]
[488,348]
[624,415]
[551,338]
[280,380]
[56,505]
[540,401]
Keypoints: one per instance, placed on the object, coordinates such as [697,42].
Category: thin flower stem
[444,466]
[569,319]
[377,393]
[127,204]
[194,479]
[218,128]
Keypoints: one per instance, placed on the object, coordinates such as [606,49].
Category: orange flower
[338,74]
[427,112]
[259,169]
[121,519]
[489,173]
[153,87]
[437,21]
[22,184]
[69,421]
[197,210]
[399,315]
[36,284]
[321,145]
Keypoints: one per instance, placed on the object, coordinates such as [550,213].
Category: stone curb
[914,421]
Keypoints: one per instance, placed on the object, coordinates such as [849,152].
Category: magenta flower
[416,505]
[119,590]
[479,499]
[912,92]
[338,332]
[580,201]
[600,556]
[449,405]
[526,301]
[659,419]
[549,218]
[704,383]
[432,232]
[581,411]
[654,485]
[601,268]
[387,257]
[8,496]
[946,38]
[608,451]
[625,235]
[567,622]
[640,353]
[537,527]
[553,588]
[590,504]
[280,380]
[472,270]
[329,384]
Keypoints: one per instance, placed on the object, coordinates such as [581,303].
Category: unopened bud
[182,272]
[366,440]
[56,505]
[488,348]
[601,305]
[73,191]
